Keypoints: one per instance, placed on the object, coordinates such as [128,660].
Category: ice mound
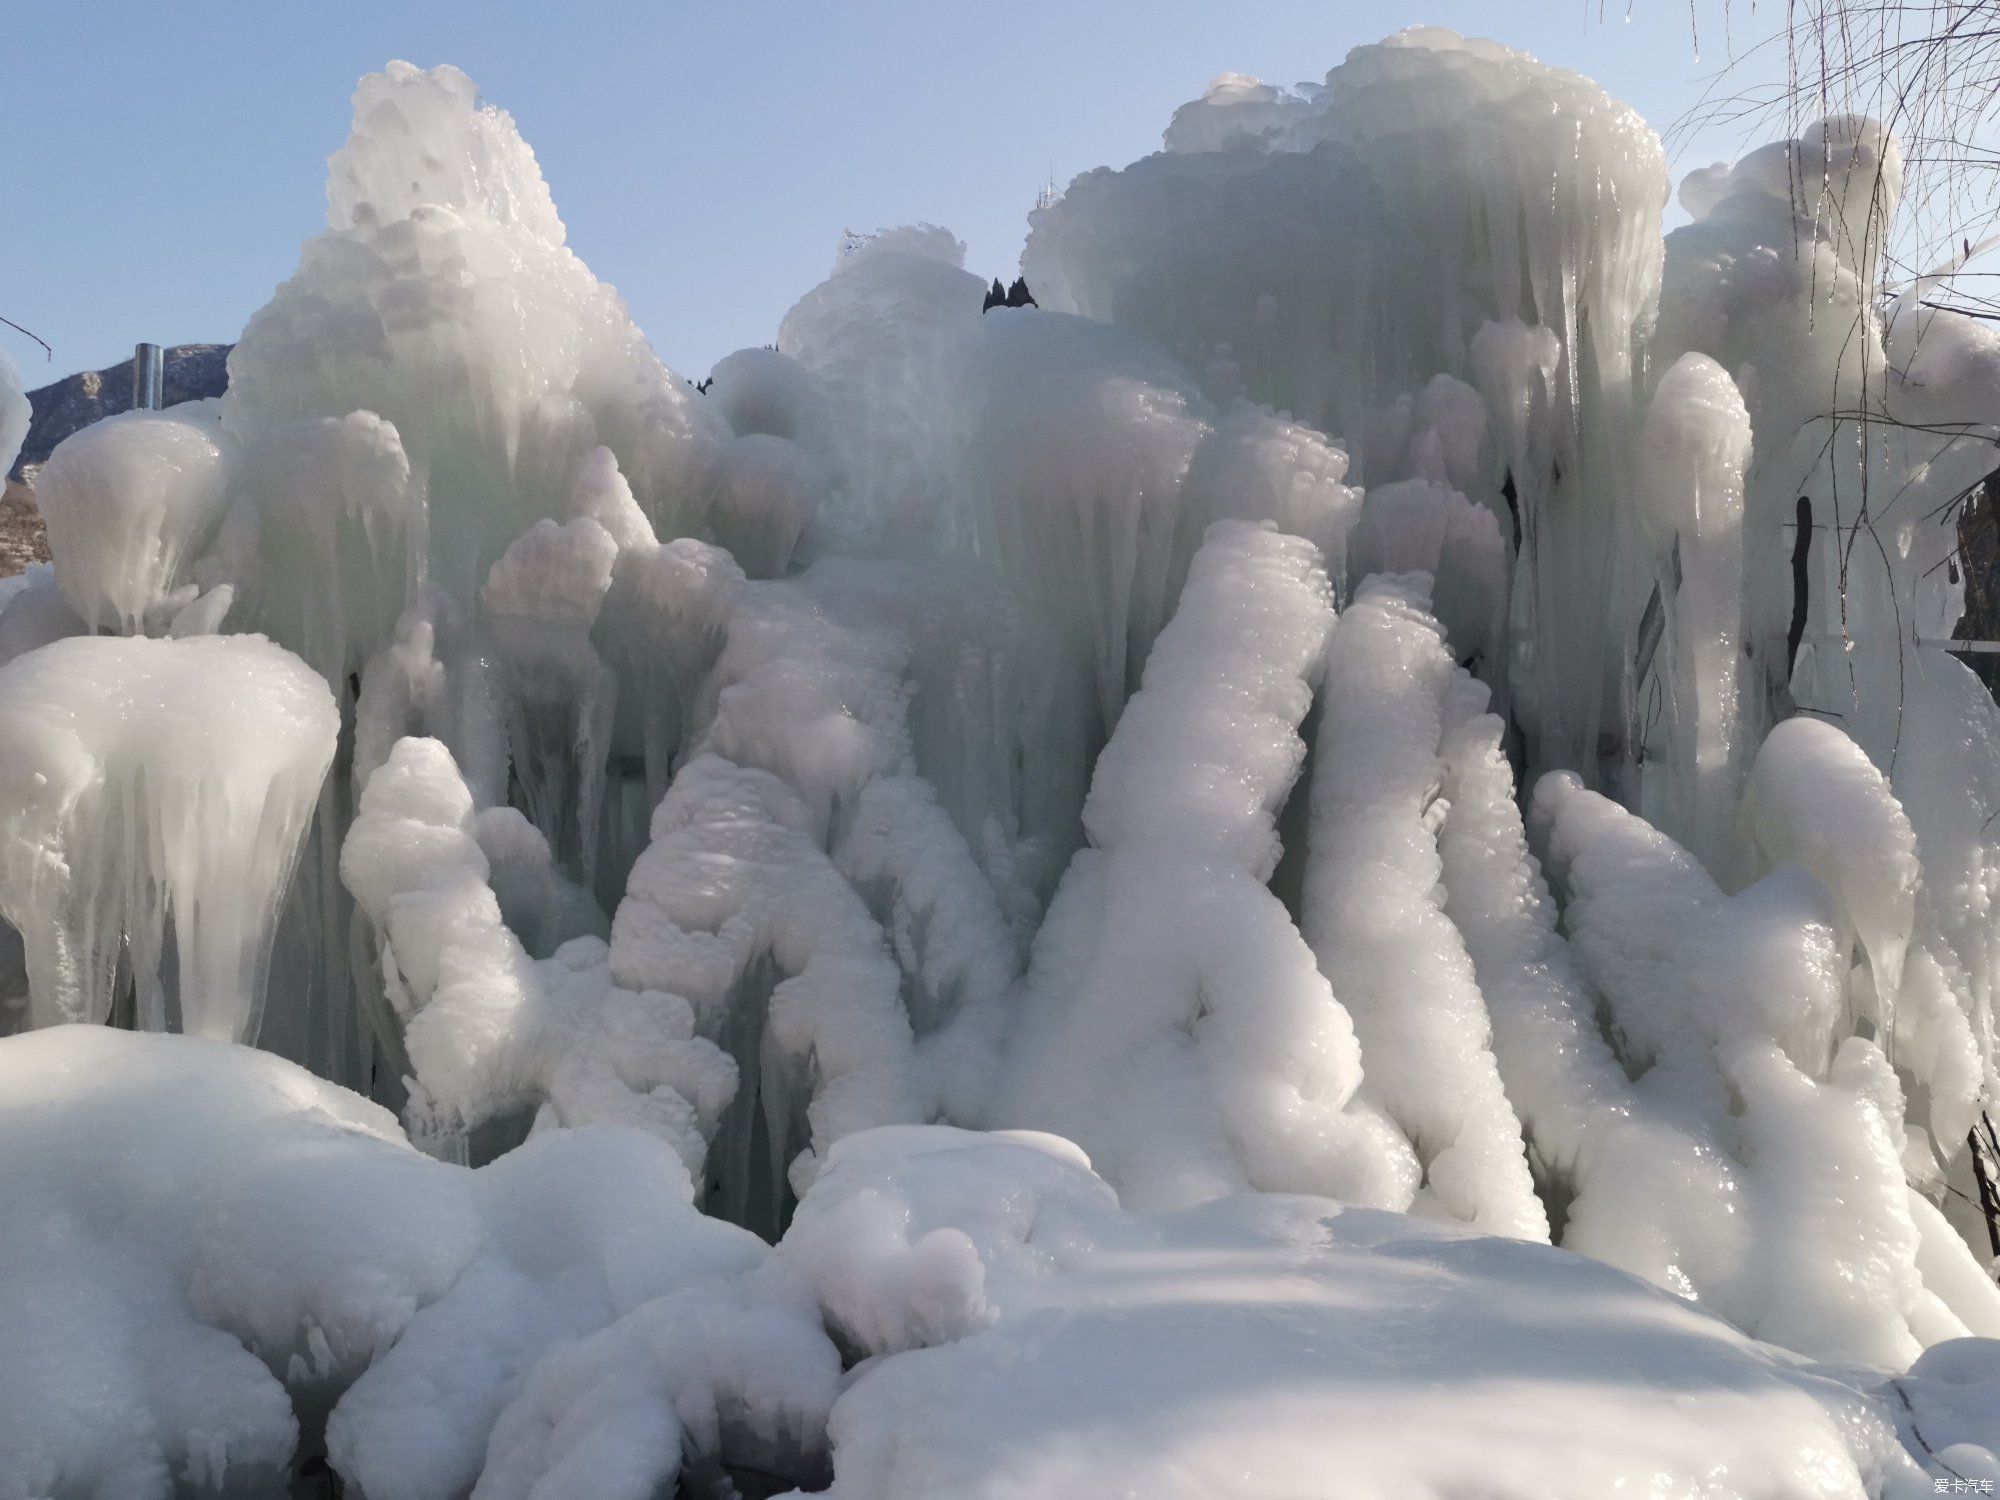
[214,1259]
[130,504]
[443,298]
[156,787]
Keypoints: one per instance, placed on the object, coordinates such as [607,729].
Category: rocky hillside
[192,372]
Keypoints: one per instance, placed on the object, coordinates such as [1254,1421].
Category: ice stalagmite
[1394,960]
[443,298]
[1173,1023]
[156,788]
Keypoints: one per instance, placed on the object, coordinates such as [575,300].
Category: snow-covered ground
[1251,881]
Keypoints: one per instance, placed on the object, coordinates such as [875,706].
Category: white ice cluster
[1347,860]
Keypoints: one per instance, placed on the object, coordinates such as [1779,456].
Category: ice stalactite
[1082,520]
[982,714]
[1503,194]
[540,601]
[1422,525]
[325,542]
[1173,1022]
[156,791]
[1261,271]
[657,627]
[1394,960]
[15,413]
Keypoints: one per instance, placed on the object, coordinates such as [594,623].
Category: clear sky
[160,162]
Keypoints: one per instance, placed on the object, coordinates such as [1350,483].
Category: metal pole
[149,377]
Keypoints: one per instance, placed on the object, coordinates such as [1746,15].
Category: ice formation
[152,781]
[1173,1023]
[1160,839]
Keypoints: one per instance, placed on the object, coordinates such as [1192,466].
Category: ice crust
[1159,839]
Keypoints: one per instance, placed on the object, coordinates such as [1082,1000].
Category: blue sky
[160,163]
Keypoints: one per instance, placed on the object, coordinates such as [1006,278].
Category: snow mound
[209,1254]
[1270,1344]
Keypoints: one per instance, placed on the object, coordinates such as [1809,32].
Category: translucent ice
[156,788]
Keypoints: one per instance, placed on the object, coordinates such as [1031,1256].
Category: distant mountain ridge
[193,371]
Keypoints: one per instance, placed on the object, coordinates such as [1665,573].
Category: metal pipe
[149,377]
